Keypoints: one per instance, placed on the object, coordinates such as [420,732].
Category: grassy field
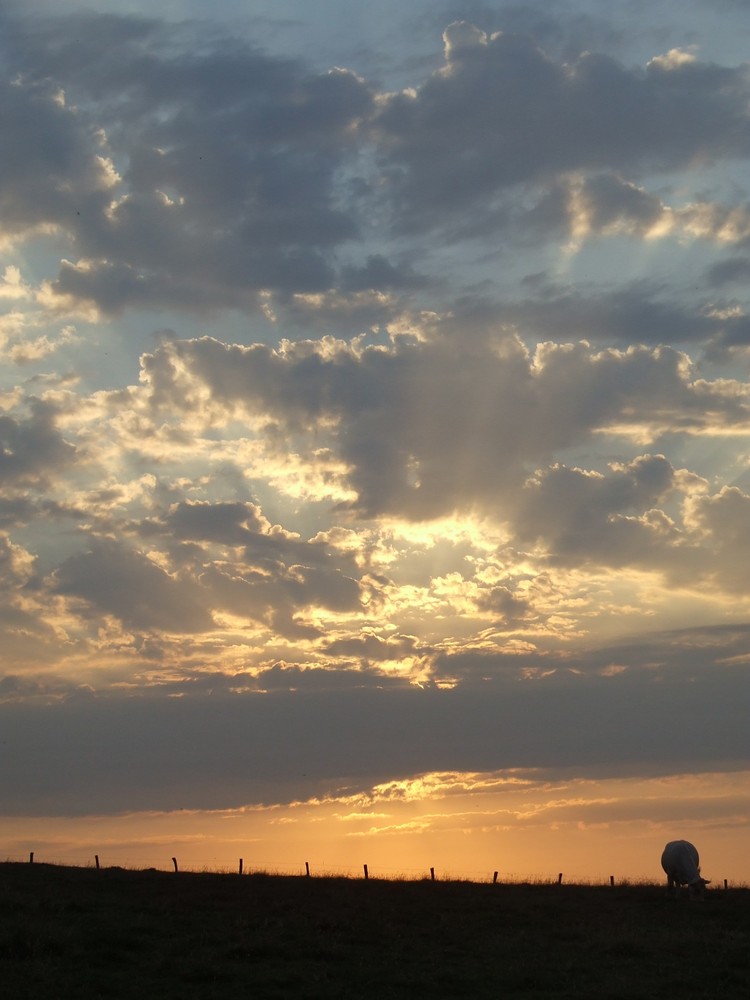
[87,933]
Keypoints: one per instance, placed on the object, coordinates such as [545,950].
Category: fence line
[307,868]
[366,871]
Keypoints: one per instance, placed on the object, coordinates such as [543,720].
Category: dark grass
[85,933]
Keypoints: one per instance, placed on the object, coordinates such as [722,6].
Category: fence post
[96,859]
[31,857]
[726,886]
[612,881]
[559,878]
[432,874]
[494,878]
[366,873]
[174,862]
[307,868]
[240,866]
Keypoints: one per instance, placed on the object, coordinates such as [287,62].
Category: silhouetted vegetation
[111,933]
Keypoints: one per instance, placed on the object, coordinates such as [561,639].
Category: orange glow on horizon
[464,826]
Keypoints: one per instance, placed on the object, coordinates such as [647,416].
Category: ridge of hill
[69,933]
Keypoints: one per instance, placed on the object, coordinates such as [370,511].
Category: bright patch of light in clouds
[374,414]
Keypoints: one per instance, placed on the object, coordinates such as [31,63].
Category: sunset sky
[375,434]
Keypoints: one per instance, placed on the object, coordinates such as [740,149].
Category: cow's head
[698,888]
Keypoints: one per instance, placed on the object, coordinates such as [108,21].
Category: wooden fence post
[307,868]
[240,866]
[31,858]
[559,878]
[726,886]
[494,878]
[96,859]
[174,862]
[432,874]
[366,873]
[612,881]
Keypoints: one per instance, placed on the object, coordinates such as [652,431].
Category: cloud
[501,113]
[729,271]
[229,160]
[640,312]
[54,168]
[379,273]
[606,204]
[112,579]
[202,177]
[32,450]
[369,649]
[217,559]
[27,628]
[431,427]
[563,29]
[604,725]
[277,575]
[724,519]
[590,516]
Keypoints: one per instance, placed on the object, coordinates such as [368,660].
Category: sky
[374,426]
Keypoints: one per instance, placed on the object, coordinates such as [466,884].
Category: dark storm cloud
[114,755]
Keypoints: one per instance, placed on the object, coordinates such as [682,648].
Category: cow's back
[680,861]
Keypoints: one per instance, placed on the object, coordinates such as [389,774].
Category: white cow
[680,861]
